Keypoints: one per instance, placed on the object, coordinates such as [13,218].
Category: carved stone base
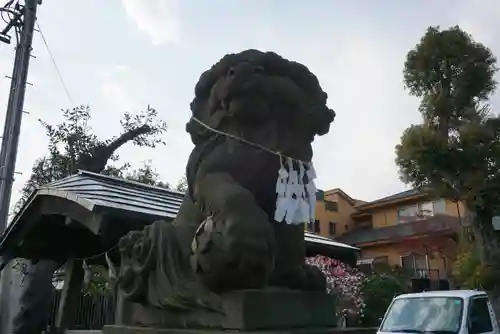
[244,311]
[147,330]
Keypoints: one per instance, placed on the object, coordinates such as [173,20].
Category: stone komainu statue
[250,110]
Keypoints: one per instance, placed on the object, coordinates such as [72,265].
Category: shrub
[468,272]
[378,291]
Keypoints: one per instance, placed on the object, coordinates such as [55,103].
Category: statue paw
[229,258]
[192,296]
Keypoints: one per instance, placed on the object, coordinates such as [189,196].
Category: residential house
[333,213]
[409,229]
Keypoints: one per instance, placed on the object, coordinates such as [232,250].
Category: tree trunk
[486,241]
[488,248]
[36,298]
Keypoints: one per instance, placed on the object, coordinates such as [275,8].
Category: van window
[479,316]
[424,314]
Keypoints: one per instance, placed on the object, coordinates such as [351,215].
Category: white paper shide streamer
[296,192]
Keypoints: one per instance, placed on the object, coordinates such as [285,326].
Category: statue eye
[231,72]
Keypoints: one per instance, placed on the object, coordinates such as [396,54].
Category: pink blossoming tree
[344,283]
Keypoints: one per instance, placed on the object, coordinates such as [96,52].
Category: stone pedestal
[146,330]
[250,310]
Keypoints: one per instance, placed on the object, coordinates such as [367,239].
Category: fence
[93,311]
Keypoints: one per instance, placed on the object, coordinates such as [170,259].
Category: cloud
[120,89]
[117,96]
[121,67]
[156,18]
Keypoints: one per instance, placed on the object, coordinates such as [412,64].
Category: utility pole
[22,21]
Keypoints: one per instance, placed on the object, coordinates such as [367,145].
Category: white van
[440,312]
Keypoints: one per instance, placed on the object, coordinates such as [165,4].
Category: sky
[121,55]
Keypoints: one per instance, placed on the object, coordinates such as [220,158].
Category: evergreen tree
[455,152]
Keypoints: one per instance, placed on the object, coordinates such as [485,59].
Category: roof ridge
[127,182]
[396,196]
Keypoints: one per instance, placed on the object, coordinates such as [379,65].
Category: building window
[439,206]
[415,265]
[365,266]
[432,208]
[407,213]
[364,225]
[320,195]
[313,227]
[331,206]
[421,210]
[332,228]
[413,262]
[496,223]
[407,262]
[426,209]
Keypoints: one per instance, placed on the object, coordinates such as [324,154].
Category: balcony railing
[432,274]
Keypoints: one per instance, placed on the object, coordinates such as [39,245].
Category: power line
[7,8]
[55,64]
[13,20]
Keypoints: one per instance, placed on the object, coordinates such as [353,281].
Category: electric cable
[14,13]
[68,95]
[6,9]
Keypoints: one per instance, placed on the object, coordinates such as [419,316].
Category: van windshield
[424,314]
